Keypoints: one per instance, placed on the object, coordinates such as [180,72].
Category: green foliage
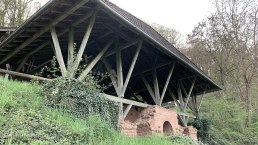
[25,119]
[203,126]
[80,98]
[227,118]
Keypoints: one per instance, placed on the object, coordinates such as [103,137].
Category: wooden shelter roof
[33,39]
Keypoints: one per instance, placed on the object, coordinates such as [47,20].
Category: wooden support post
[80,20]
[122,47]
[156,85]
[132,67]
[119,73]
[43,30]
[94,61]
[174,98]
[167,82]
[180,94]
[190,92]
[127,109]
[111,74]
[59,55]
[22,64]
[202,99]
[149,89]
[85,40]
[70,58]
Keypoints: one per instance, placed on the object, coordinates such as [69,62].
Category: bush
[80,98]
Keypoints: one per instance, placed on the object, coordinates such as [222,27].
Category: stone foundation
[154,119]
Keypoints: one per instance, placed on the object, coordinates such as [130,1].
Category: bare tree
[172,35]
[15,12]
[225,46]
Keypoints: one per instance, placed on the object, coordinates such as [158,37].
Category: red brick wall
[151,119]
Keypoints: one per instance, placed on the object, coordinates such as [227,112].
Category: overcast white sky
[181,15]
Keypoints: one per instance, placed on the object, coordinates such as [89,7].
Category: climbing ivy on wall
[80,98]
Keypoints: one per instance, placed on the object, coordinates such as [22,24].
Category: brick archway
[167,128]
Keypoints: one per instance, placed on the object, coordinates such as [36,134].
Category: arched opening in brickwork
[167,128]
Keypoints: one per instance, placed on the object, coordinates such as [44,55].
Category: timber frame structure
[139,61]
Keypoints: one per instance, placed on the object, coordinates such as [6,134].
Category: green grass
[24,119]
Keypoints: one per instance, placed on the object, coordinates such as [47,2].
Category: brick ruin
[154,119]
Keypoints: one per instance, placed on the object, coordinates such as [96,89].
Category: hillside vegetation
[25,119]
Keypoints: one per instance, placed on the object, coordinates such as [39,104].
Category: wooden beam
[185,114]
[190,92]
[70,58]
[45,29]
[112,74]
[180,95]
[85,40]
[132,67]
[174,98]
[23,75]
[21,65]
[156,85]
[40,66]
[94,61]
[32,52]
[125,101]
[202,98]
[149,89]
[58,51]
[119,68]
[150,69]
[122,47]
[127,109]
[167,82]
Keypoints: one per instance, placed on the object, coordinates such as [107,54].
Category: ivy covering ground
[26,119]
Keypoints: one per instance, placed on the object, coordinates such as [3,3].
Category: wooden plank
[58,51]
[43,30]
[128,108]
[125,101]
[94,61]
[167,82]
[23,75]
[132,67]
[85,40]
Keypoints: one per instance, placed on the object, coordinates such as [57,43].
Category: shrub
[80,98]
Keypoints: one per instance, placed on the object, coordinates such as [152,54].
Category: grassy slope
[24,119]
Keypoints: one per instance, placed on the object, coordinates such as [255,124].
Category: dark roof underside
[156,51]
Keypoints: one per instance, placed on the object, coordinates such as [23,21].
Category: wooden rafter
[85,40]
[167,82]
[132,67]
[43,30]
[58,52]
[94,61]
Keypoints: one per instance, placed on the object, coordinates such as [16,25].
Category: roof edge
[27,22]
[157,43]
